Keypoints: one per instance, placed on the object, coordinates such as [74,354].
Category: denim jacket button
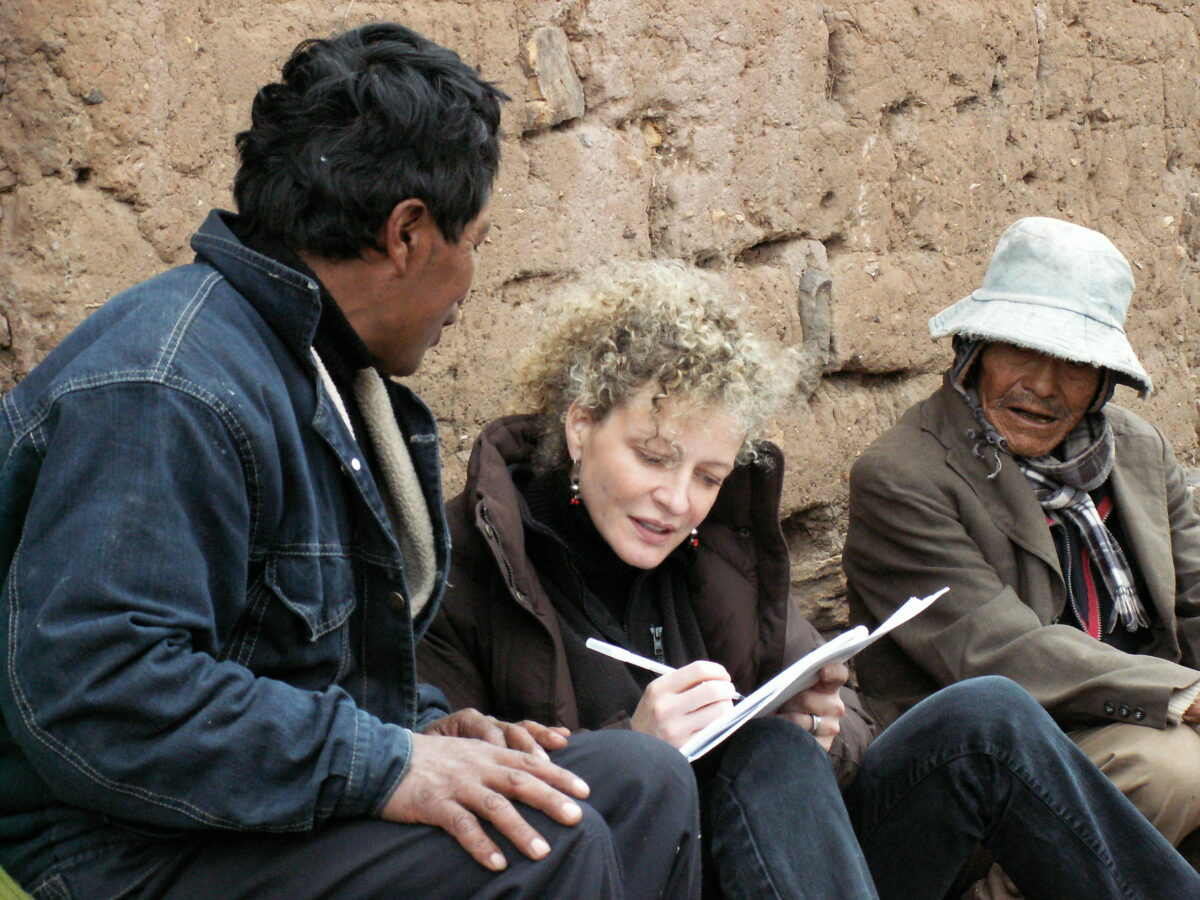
[398,602]
[355,464]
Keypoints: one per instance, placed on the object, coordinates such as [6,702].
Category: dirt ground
[881,145]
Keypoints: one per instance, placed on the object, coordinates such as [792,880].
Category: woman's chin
[644,556]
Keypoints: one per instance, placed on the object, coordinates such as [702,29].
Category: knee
[774,750]
[592,831]
[583,853]
[644,767]
[989,704]
[772,739]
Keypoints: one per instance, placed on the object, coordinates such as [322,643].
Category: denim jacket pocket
[319,589]
[301,620]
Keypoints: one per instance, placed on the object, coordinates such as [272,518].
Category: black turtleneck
[596,594]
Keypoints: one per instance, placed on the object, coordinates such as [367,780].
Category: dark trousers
[977,763]
[639,838]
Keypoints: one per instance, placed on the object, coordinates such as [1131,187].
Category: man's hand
[451,780]
[527,736]
[677,705]
[1191,715]
[822,699]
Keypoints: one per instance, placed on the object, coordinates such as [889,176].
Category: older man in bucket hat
[1060,521]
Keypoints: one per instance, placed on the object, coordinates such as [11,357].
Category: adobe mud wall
[847,166]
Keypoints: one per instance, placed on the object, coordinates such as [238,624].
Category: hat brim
[1040,325]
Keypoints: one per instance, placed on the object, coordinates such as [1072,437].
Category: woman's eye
[711,480]
[651,458]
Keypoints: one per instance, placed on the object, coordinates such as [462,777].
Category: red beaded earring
[575,501]
[694,540]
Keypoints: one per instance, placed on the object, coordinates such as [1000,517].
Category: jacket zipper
[656,636]
[490,532]
[1067,575]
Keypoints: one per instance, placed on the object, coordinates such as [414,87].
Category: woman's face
[647,477]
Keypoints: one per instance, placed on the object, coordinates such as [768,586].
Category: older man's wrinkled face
[1032,399]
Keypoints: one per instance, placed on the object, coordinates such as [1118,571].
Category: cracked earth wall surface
[848,167]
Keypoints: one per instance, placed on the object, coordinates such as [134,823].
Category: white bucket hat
[1057,288]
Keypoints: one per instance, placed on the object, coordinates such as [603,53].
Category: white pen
[627,656]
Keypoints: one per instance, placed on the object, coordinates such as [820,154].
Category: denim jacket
[204,616]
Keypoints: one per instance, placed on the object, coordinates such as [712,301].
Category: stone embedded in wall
[1189,226]
[555,92]
[813,295]
[819,590]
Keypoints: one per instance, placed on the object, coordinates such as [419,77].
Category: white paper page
[800,675]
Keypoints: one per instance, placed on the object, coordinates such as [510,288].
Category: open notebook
[799,675]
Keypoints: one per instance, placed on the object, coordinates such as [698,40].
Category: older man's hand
[453,780]
[1192,715]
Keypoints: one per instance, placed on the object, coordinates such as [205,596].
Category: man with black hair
[221,534]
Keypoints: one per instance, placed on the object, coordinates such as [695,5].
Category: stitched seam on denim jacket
[383,561]
[256,613]
[13,414]
[54,882]
[360,588]
[188,388]
[351,787]
[184,320]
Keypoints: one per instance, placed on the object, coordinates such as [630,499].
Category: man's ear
[405,237]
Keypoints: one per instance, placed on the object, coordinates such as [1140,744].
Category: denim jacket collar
[288,300]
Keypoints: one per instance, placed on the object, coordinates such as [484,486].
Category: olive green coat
[924,514]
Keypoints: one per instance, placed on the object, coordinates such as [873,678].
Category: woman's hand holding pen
[820,705]
[677,705]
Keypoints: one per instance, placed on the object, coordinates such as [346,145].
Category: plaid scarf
[1062,485]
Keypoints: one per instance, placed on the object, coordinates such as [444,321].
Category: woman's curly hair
[637,323]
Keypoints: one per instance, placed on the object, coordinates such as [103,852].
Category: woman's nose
[672,495]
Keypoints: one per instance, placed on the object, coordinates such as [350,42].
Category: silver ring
[816,725]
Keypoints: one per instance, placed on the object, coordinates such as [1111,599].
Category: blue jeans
[977,763]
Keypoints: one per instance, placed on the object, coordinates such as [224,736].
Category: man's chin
[1031,446]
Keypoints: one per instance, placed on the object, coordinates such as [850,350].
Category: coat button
[1139,714]
[355,464]
[1109,709]
[398,602]
[1124,711]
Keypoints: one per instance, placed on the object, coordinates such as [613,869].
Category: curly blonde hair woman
[651,323]
[634,501]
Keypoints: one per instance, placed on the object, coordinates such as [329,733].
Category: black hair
[358,123]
